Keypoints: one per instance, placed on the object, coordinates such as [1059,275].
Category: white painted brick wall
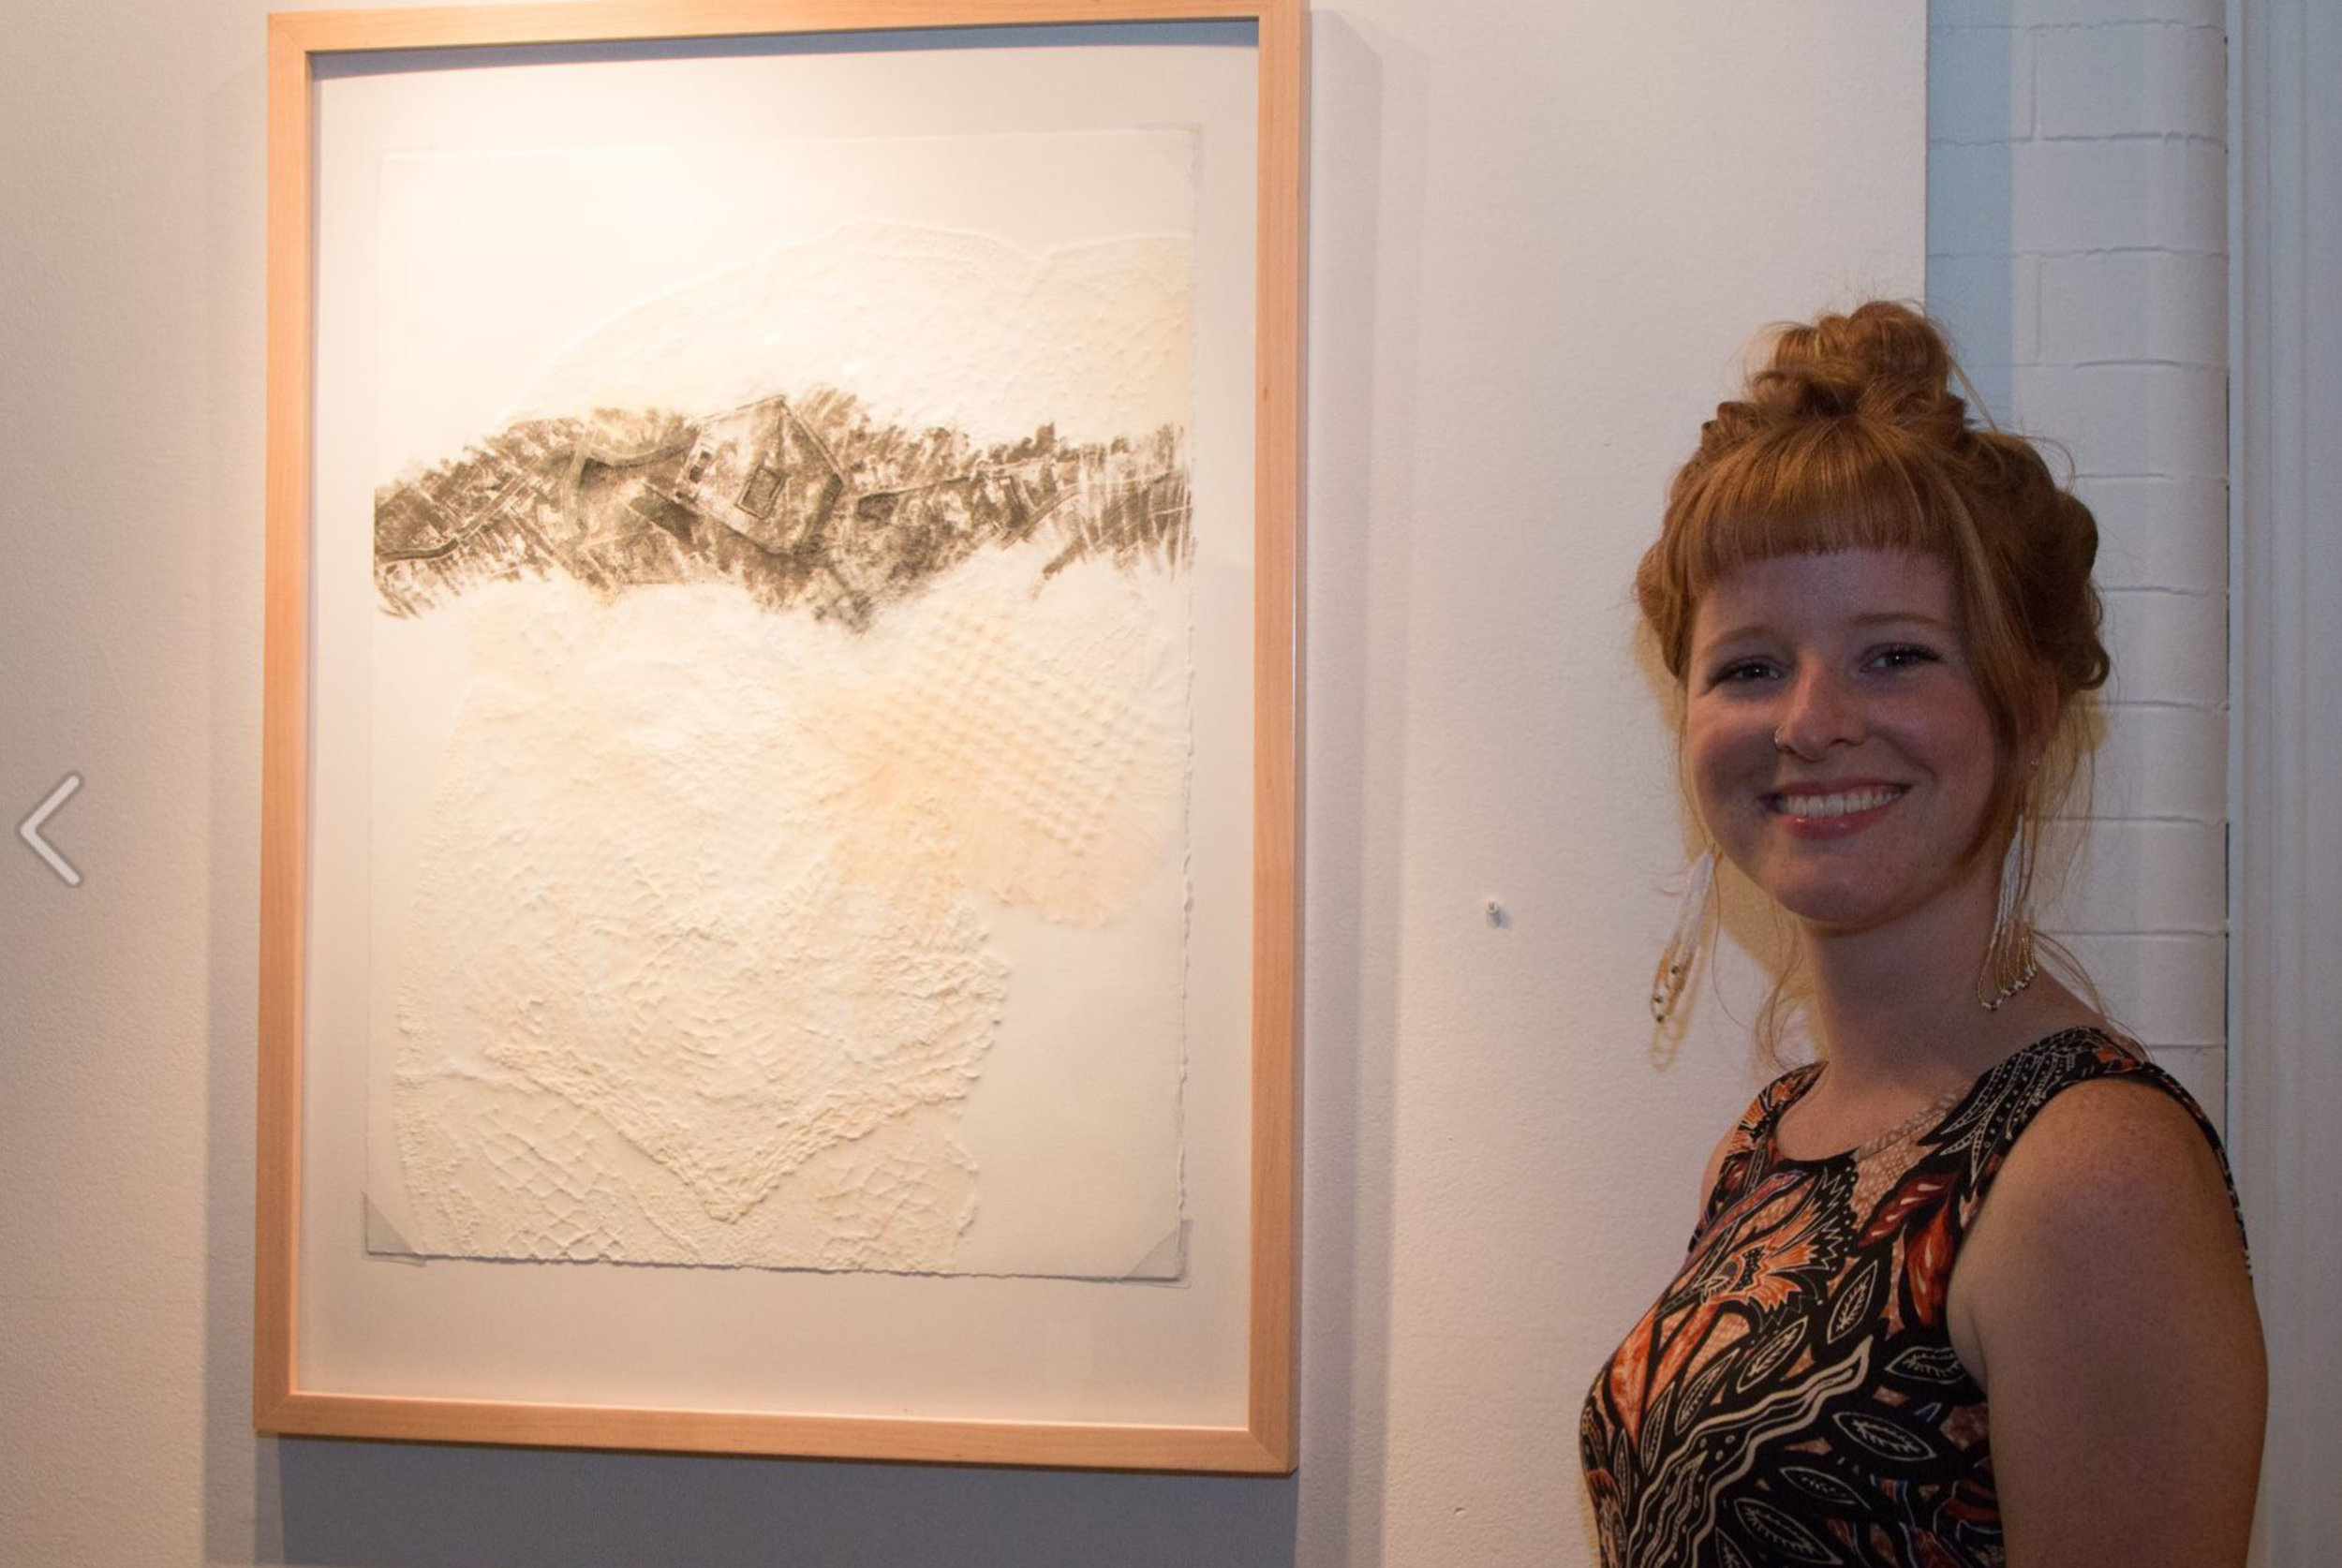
[2064,13]
[2077,250]
[2127,421]
[2177,980]
[2164,761]
[2156,876]
[2168,647]
[2086,194]
[2151,79]
[2172,532]
[2114,306]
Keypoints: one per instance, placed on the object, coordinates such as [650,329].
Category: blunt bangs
[1812,489]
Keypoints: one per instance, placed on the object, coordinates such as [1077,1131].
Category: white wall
[2077,246]
[2287,1002]
[1539,240]
[1540,232]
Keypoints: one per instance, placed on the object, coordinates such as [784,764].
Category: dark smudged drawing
[801,500]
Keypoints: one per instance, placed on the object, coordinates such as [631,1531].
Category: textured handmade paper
[782,749]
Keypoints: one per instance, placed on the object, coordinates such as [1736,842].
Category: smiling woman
[1969,1290]
[1841,751]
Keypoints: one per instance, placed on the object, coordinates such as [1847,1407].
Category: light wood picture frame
[310,1372]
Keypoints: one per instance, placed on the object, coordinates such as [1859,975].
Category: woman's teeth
[1836,805]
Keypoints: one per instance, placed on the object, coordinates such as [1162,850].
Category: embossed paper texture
[781,705]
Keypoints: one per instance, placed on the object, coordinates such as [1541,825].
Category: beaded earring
[2010,961]
[1691,922]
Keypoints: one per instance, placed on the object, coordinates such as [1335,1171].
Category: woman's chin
[1833,908]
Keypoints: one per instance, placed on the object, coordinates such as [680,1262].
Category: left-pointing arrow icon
[29,831]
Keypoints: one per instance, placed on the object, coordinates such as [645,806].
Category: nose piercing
[1779,744]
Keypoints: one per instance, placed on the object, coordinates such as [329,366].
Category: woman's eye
[1740,670]
[1903,656]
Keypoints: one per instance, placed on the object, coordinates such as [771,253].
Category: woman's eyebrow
[1902,617]
[1868,618]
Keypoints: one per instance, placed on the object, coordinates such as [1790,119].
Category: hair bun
[1882,362]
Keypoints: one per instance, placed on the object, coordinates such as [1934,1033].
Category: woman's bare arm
[2103,1301]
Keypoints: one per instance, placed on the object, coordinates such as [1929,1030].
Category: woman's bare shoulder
[2103,1300]
[2113,1181]
[2109,1156]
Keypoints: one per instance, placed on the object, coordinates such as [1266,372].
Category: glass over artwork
[780,704]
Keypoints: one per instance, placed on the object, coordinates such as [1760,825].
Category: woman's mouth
[1835,810]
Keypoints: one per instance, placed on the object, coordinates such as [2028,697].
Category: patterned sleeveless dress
[1794,1396]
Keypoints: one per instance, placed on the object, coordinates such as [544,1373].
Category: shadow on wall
[1366,217]
[387,1506]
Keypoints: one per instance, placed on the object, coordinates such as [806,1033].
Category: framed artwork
[779,845]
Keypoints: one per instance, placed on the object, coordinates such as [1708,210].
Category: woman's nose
[1821,714]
